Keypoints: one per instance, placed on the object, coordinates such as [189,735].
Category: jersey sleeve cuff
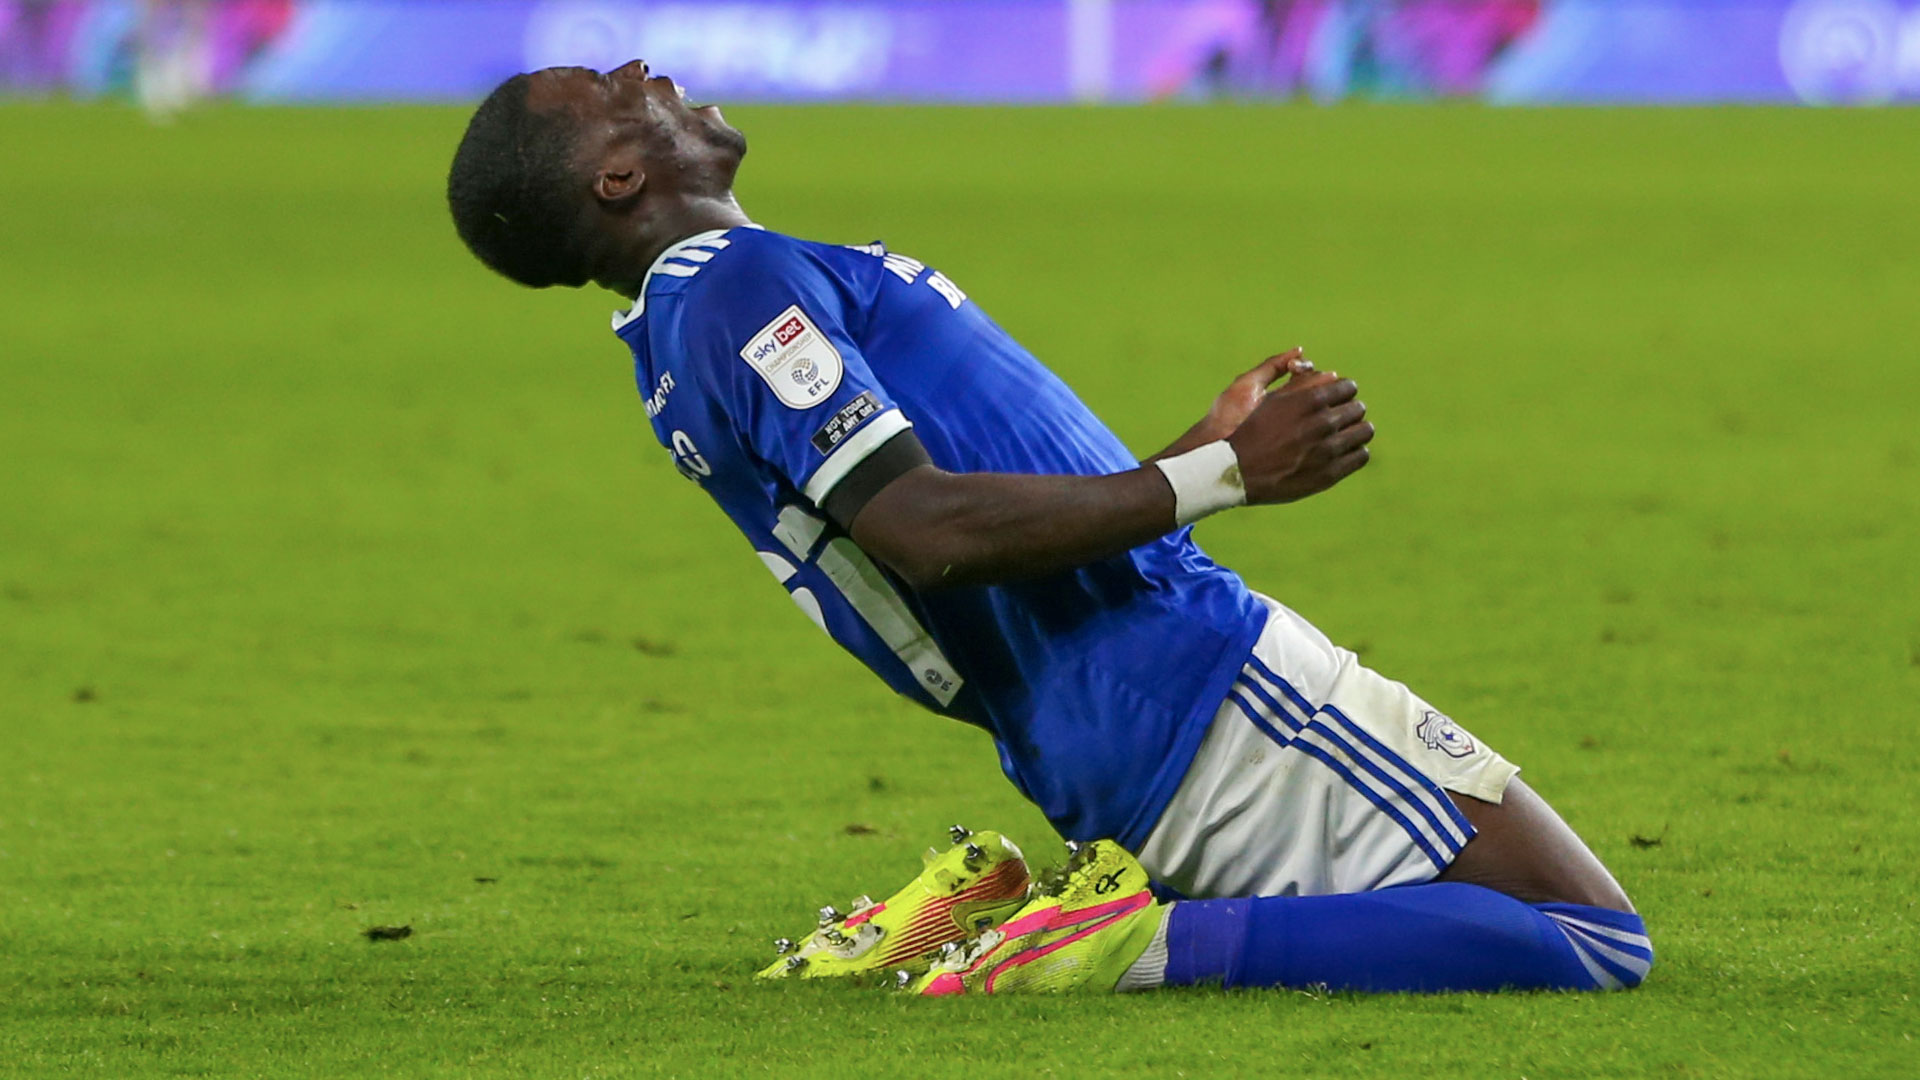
[852,452]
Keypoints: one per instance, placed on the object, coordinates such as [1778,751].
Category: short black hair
[514,190]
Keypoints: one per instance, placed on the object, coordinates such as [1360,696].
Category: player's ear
[620,179]
[616,186]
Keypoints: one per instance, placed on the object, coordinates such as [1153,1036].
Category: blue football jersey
[771,366]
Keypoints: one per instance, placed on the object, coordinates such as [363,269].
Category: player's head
[565,172]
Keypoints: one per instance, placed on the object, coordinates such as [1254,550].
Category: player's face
[630,105]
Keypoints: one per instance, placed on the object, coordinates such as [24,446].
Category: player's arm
[935,528]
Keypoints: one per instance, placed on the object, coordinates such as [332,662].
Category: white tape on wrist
[1205,481]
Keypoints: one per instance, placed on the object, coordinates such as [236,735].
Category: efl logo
[798,362]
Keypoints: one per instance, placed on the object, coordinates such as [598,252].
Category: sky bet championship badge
[796,359]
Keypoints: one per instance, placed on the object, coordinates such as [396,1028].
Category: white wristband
[1205,481]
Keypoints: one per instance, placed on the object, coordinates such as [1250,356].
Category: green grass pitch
[344,586]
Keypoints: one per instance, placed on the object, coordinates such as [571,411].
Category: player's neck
[689,218]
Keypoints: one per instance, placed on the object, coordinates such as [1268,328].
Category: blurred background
[169,52]
[343,585]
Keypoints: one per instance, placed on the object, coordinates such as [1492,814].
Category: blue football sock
[1419,938]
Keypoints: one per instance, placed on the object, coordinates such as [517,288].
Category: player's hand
[1301,439]
[1238,400]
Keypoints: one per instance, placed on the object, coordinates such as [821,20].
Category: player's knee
[1524,849]
[1584,883]
[1588,890]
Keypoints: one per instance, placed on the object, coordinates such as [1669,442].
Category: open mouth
[679,91]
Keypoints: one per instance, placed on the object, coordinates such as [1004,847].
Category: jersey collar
[623,319]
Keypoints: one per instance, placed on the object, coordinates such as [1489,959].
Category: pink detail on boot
[947,982]
[1099,918]
[860,917]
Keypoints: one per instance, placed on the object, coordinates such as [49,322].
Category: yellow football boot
[1087,924]
[971,887]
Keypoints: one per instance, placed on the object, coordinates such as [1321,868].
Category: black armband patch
[896,456]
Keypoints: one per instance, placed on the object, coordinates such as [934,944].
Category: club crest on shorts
[796,359]
[1442,734]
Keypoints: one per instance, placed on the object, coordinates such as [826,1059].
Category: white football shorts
[1319,776]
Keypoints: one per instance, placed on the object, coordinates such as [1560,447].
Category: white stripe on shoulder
[696,250]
